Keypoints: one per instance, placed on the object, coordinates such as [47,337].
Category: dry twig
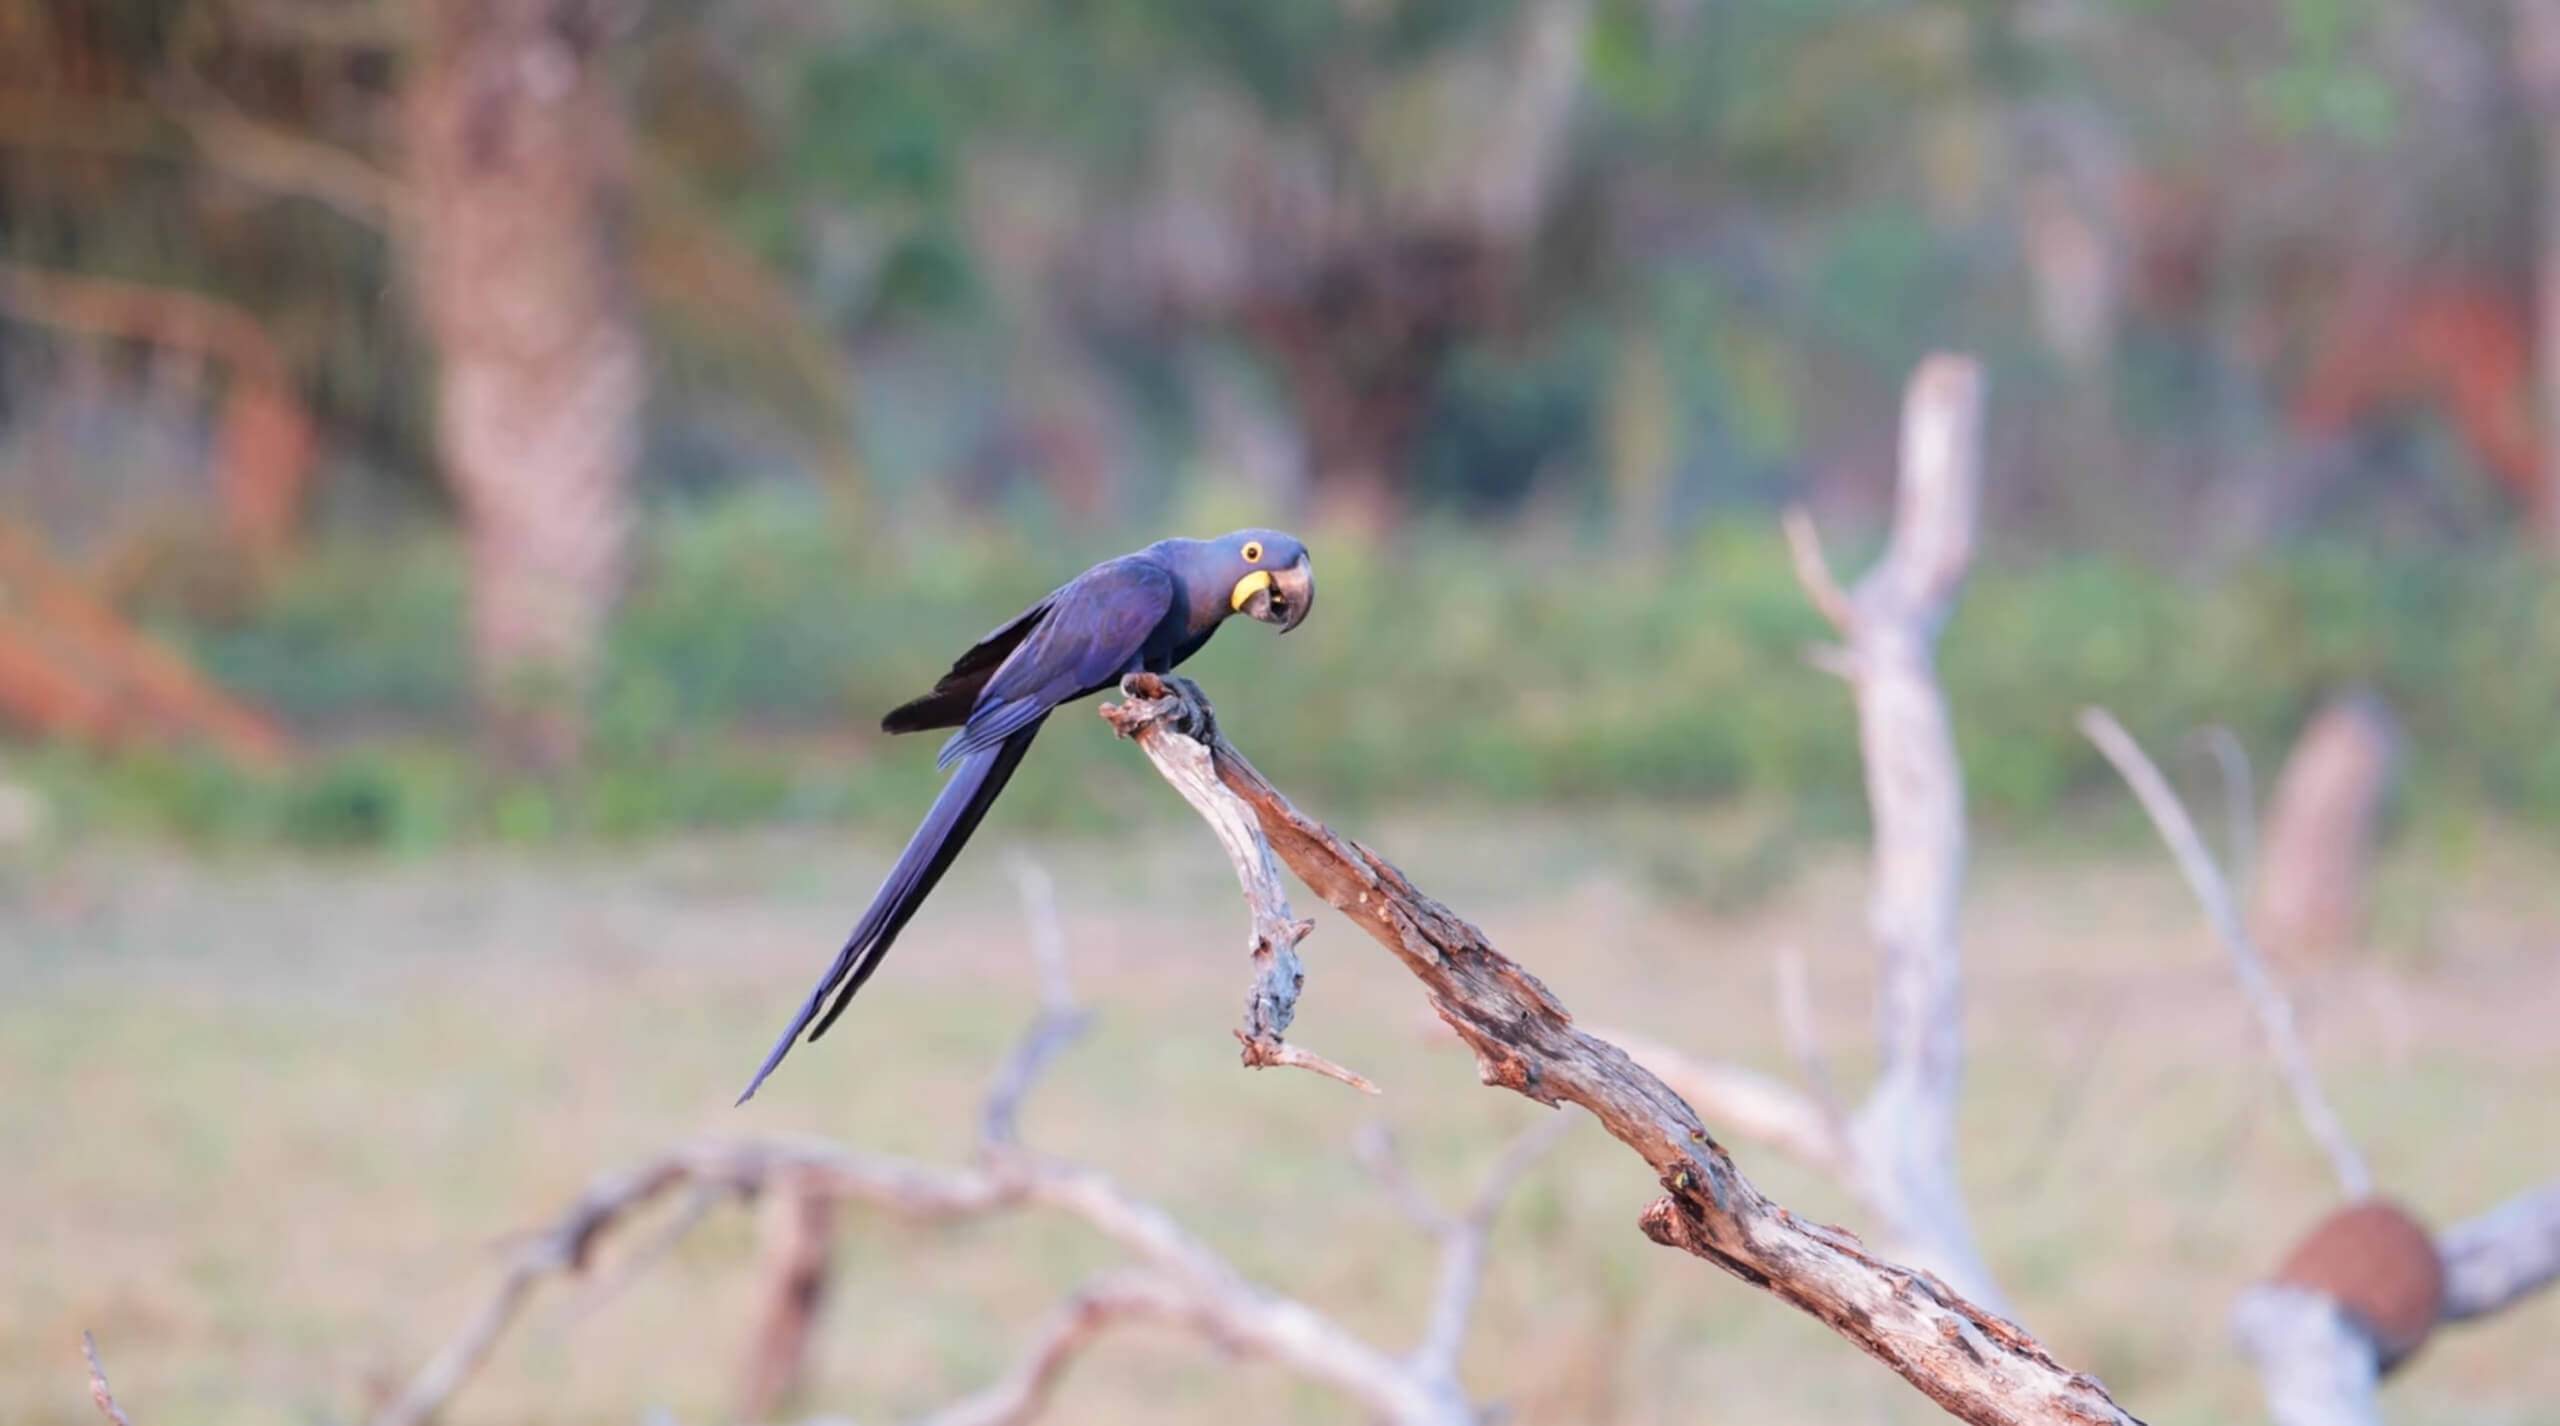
[2275,1012]
[99,1391]
[1463,1237]
[1975,1363]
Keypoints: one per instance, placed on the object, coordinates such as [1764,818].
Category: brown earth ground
[264,1122]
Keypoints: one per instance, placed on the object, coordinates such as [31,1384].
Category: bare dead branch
[1465,1242]
[1809,1127]
[1273,1000]
[1194,1285]
[2503,1256]
[1747,1103]
[2315,1365]
[1024,1392]
[1039,892]
[1898,1150]
[1463,1236]
[2239,802]
[1375,1146]
[1813,571]
[1939,490]
[1976,1364]
[1181,1280]
[738,1168]
[99,1391]
[2275,1011]
[799,1257]
[1060,1022]
[1803,1030]
[699,1203]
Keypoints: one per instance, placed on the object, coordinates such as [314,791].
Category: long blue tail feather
[929,853]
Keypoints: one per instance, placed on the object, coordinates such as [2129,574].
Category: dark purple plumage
[1140,613]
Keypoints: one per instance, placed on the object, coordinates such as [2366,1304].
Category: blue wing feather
[1096,628]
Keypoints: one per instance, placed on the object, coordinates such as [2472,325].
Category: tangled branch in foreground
[1175,1278]
[1976,1364]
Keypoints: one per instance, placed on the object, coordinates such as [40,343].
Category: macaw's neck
[1200,568]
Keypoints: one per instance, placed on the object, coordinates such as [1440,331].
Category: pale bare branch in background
[1813,570]
[99,1391]
[1178,1279]
[2315,1364]
[1463,1237]
[2503,1256]
[1742,1101]
[1803,1030]
[798,1235]
[2351,1304]
[1976,1364]
[2358,1296]
[1897,1152]
[2239,802]
[2275,1011]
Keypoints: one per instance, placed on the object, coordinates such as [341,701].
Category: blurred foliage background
[739,364]
[451,450]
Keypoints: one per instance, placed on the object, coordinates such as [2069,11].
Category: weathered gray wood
[1975,1363]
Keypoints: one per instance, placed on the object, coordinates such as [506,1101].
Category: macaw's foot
[1190,715]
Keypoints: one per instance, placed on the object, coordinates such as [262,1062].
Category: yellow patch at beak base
[1247,587]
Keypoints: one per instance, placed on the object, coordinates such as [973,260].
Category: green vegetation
[760,644]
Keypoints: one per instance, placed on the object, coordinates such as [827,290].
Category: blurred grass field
[268,1117]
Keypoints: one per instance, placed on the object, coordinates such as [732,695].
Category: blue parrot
[1140,613]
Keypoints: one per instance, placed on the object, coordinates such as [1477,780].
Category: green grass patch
[759,644]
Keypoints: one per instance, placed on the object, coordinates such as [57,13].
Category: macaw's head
[1265,574]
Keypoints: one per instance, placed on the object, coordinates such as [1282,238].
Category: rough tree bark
[517,150]
[1976,1364]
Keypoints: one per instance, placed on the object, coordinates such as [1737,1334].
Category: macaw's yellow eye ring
[1253,552]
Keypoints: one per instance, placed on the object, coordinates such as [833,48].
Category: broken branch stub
[1976,1364]
[1278,975]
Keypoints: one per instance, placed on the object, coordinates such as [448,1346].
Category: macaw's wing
[1095,631]
[948,705]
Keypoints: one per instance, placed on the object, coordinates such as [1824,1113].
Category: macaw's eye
[1253,552]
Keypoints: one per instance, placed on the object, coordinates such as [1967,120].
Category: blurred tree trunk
[2537,59]
[517,150]
[1363,344]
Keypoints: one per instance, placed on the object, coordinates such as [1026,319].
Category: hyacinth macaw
[1140,613]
